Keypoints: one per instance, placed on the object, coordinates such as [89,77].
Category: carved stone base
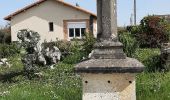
[109,74]
[109,86]
[128,65]
[108,50]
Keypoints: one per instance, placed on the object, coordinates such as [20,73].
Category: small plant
[7,50]
[133,29]
[88,43]
[150,58]
[129,42]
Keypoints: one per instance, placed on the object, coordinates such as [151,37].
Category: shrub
[88,43]
[5,35]
[7,50]
[74,51]
[153,31]
[74,58]
[133,29]
[64,46]
[150,58]
[129,42]
[67,48]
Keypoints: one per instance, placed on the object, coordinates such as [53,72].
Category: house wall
[95,28]
[38,18]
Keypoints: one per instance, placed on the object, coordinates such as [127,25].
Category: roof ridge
[41,1]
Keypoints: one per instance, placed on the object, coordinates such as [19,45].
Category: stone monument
[35,54]
[108,74]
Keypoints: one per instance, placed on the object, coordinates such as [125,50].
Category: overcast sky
[125,8]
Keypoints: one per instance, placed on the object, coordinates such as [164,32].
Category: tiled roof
[41,1]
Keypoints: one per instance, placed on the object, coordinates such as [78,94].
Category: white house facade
[53,19]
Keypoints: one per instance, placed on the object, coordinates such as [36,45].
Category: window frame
[82,26]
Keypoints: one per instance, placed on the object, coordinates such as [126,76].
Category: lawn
[153,86]
[62,83]
[58,84]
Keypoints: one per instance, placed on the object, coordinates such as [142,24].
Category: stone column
[108,74]
[107,19]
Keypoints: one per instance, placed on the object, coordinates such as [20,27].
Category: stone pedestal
[108,74]
[109,86]
[109,79]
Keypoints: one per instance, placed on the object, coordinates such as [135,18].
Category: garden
[142,42]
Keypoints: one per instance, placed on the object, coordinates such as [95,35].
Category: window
[51,26]
[71,32]
[76,30]
[83,30]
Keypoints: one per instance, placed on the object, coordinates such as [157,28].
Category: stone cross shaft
[107,19]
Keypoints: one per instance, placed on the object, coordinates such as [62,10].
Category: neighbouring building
[53,19]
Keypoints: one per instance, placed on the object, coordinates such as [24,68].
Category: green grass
[58,84]
[63,84]
[15,62]
[150,86]
[153,86]
[150,58]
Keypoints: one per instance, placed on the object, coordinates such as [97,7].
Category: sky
[125,8]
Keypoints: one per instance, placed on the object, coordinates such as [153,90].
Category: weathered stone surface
[128,65]
[35,54]
[109,86]
[108,50]
[108,74]
[52,55]
[106,19]
[107,46]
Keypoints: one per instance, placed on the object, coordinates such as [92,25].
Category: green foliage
[74,58]
[5,35]
[64,46]
[153,31]
[153,86]
[80,50]
[7,50]
[16,64]
[74,51]
[133,29]
[129,42]
[150,58]
[88,43]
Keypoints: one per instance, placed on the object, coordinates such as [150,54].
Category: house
[53,19]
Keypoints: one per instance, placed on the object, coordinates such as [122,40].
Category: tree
[154,30]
